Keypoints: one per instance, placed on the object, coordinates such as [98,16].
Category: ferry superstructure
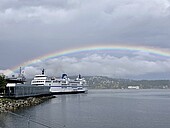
[61,85]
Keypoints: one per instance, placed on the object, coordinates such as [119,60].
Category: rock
[12,104]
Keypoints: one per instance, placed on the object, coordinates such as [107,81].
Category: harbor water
[96,109]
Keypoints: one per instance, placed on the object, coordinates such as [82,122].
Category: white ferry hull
[68,92]
[67,89]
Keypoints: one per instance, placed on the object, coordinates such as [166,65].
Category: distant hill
[102,82]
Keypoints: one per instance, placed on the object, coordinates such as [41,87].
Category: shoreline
[7,104]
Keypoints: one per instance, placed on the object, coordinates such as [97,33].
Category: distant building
[17,90]
[133,87]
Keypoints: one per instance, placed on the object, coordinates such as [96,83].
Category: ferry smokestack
[43,71]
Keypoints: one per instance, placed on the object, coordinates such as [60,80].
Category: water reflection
[97,109]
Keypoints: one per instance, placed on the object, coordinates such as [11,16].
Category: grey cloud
[137,66]
[17,4]
[95,64]
[32,28]
[94,21]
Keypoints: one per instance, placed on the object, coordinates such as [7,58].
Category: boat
[62,85]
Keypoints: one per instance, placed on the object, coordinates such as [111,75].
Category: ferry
[63,85]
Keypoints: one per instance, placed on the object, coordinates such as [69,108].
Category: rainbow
[152,50]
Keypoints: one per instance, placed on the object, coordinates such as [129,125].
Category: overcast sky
[33,28]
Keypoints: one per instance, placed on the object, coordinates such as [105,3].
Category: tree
[3,83]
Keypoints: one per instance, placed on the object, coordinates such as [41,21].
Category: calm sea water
[97,109]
